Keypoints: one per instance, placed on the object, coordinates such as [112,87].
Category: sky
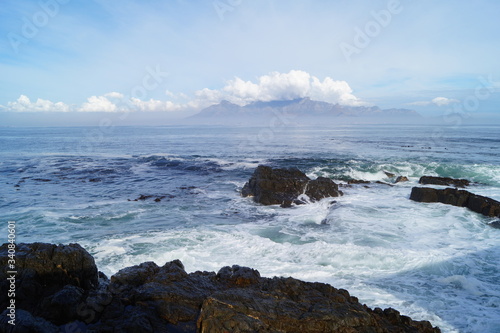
[71,59]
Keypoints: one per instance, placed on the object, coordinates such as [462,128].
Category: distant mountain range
[299,108]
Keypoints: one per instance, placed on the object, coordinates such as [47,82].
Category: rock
[283,187]
[322,187]
[25,322]
[455,197]
[358,181]
[150,298]
[401,179]
[51,279]
[389,174]
[445,181]
[495,224]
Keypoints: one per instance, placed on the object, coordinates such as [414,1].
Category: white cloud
[23,104]
[154,105]
[274,86]
[281,86]
[114,94]
[98,104]
[439,101]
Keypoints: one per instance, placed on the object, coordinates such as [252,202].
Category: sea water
[428,260]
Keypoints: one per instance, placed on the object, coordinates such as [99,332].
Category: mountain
[302,108]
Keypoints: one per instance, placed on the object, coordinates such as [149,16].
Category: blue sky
[179,56]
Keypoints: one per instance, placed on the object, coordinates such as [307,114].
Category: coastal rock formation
[445,181]
[455,197]
[283,187]
[66,295]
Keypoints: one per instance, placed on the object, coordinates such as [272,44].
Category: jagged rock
[150,298]
[322,187]
[445,181]
[455,197]
[51,279]
[401,179]
[270,186]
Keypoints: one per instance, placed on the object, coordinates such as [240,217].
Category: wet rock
[389,174]
[495,224]
[270,186]
[150,298]
[401,179]
[455,197]
[445,181]
[322,187]
[358,181]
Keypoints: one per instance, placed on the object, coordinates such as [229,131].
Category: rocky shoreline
[59,289]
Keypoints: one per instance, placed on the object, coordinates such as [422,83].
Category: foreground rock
[455,197]
[283,187]
[64,295]
[445,181]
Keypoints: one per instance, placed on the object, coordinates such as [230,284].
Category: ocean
[135,194]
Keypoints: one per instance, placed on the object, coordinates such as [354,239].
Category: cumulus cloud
[281,86]
[98,104]
[273,86]
[155,105]
[439,101]
[23,104]
[114,94]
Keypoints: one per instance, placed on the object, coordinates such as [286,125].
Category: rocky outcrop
[455,197]
[150,298]
[445,181]
[283,187]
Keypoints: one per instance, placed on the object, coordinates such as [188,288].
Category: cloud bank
[273,86]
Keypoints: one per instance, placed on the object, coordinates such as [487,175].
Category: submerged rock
[401,179]
[446,181]
[283,187]
[150,298]
[455,197]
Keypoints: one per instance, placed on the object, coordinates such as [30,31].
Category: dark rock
[455,197]
[149,298]
[495,224]
[95,180]
[445,181]
[42,180]
[358,181]
[25,322]
[51,279]
[322,187]
[389,174]
[383,183]
[401,179]
[270,186]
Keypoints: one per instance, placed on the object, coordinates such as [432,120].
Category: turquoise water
[429,261]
